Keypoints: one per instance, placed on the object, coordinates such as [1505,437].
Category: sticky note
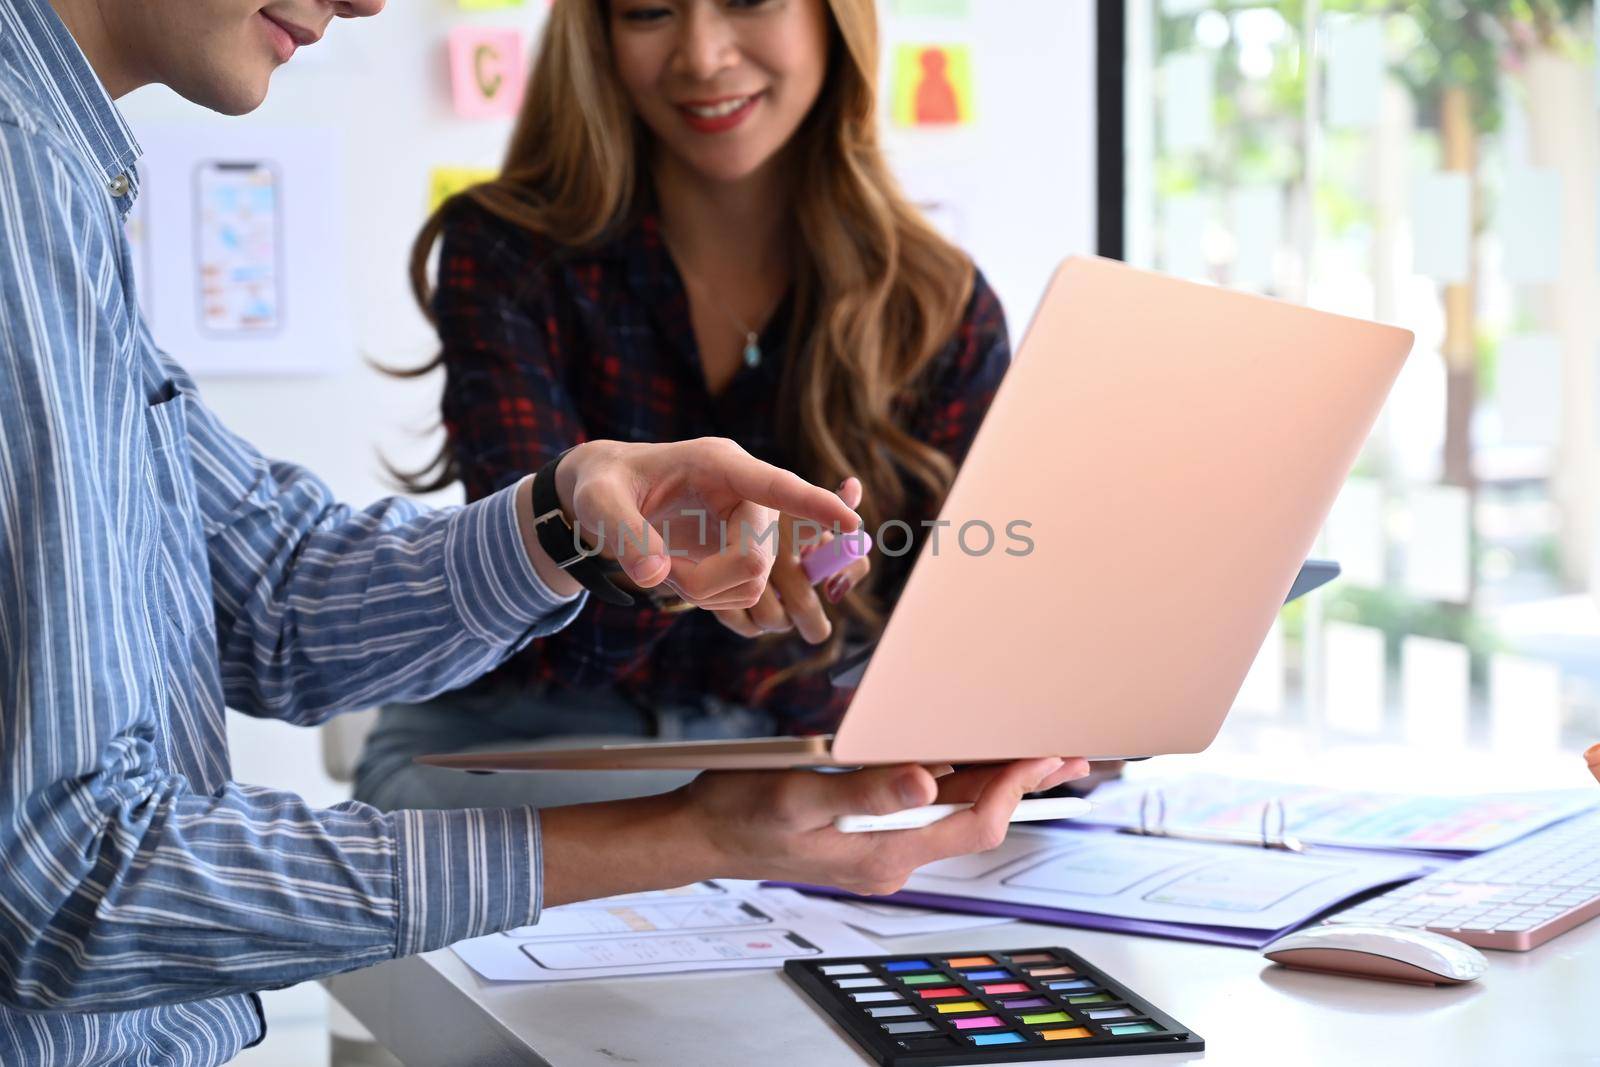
[1441,226]
[1355,533]
[1355,72]
[1436,676]
[1263,689]
[445,182]
[1530,225]
[932,85]
[1438,555]
[1257,219]
[1184,224]
[1353,678]
[936,9]
[1527,386]
[486,71]
[1525,706]
[1187,81]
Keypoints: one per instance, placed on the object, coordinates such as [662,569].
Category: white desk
[1532,1008]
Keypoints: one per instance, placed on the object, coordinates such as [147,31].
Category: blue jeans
[508,718]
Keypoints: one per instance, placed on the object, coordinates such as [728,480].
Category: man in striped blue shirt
[154,569]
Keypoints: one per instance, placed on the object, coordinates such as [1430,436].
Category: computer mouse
[1391,953]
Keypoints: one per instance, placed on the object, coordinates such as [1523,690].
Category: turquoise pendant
[752,351]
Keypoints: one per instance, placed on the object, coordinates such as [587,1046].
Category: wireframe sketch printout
[1161,880]
[1351,819]
[706,926]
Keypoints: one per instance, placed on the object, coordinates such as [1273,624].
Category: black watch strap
[561,542]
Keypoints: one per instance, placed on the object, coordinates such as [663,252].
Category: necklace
[752,339]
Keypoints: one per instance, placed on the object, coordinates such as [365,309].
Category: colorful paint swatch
[959,1006]
[983,976]
[959,1019]
[1007,1038]
[1110,1013]
[1071,1034]
[445,182]
[893,1011]
[860,983]
[932,86]
[870,998]
[486,72]
[1024,1002]
[917,1027]
[941,992]
[923,979]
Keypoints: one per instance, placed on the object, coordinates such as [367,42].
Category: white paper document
[709,926]
[1161,880]
[894,920]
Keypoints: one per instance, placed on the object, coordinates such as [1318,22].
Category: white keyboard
[1513,898]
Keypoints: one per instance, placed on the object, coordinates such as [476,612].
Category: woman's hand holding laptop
[778,825]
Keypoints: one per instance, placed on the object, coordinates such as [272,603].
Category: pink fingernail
[839,588]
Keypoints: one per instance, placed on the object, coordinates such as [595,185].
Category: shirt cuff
[496,591]
[465,873]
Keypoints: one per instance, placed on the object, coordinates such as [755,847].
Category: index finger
[774,487]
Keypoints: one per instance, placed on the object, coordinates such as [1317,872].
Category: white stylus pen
[916,818]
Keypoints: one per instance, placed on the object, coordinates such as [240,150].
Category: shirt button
[118,186]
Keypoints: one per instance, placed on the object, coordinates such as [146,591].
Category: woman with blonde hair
[695,233]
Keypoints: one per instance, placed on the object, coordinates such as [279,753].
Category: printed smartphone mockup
[238,246]
[655,951]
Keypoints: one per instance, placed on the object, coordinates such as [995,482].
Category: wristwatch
[563,544]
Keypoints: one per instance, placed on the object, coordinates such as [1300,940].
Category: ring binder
[1274,823]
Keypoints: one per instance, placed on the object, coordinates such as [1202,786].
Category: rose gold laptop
[1168,451]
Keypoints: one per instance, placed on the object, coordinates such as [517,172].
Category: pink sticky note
[486,71]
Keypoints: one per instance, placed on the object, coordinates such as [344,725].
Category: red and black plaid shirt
[545,347]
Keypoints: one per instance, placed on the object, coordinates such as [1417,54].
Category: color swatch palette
[986,1007]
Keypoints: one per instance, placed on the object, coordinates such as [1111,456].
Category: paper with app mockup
[708,926]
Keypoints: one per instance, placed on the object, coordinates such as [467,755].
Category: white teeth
[717,111]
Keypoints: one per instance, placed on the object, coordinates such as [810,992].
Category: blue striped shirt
[154,568]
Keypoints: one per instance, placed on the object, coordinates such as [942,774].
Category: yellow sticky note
[932,85]
[445,182]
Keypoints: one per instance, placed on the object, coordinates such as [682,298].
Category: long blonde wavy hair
[877,291]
